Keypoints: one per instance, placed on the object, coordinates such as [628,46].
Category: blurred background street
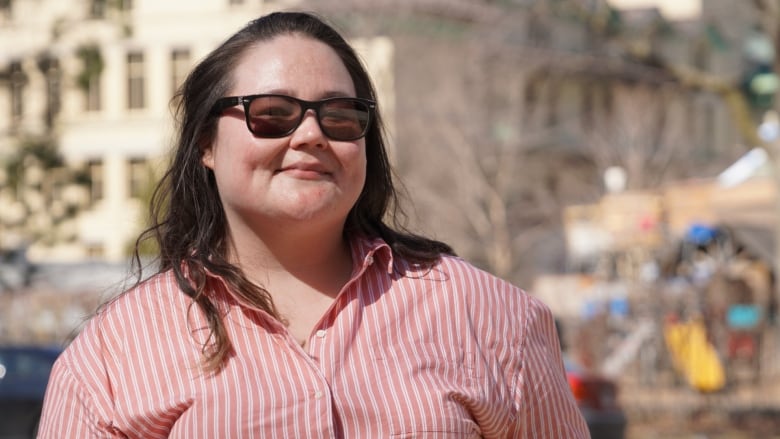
[619,159]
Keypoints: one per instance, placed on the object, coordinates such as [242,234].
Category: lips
[305,170]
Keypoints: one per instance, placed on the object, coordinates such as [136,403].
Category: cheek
[357,169]
[237,156]
[233,147]
[354,158]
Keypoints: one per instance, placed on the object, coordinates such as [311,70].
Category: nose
[308,132]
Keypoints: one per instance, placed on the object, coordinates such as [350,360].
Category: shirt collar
[367,251]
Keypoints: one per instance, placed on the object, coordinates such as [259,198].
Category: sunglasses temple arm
[224,103]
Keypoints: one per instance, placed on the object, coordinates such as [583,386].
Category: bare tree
[644,132]
[477,169]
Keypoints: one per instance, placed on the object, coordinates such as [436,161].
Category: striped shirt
[402,352]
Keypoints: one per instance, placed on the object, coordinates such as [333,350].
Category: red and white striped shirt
[403,352]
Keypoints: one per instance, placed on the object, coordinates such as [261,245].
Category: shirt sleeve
[73,408]
[547,408]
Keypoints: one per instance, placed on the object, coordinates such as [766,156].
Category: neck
[316,257]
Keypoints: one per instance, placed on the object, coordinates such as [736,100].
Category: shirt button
[321,333]
[370,260]
[318,394]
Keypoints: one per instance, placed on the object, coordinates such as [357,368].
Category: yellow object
[694,356]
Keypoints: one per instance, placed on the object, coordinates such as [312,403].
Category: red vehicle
[597,398]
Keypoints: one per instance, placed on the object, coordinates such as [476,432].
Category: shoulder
[490,302]
[149,325]
[151,297]
[481,285]
[143,334]
[500,307]
[132,315]
[508,318]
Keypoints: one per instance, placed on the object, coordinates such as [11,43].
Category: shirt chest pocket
[427,390]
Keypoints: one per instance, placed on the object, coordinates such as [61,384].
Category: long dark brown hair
[187,218]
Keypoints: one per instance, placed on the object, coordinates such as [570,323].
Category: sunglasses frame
[231,101]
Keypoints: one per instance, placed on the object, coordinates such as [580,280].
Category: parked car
[24,374]
[597,397]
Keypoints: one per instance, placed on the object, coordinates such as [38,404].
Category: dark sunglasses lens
[273,116]
[344,119]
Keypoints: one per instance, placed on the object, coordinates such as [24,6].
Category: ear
[207,157]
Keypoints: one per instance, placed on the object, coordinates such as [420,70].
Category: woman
[284,305]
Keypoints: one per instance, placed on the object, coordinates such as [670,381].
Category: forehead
[294,64]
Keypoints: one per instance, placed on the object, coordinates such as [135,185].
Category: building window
[553,103]
[587,106]
[97,9]
[533,87]
[95,180]
[92,94]
[53,185]
[50,67]
[5,8]
[88,79]
[139,177]
[180,67]
[135,80]
[538,31]
[17,82]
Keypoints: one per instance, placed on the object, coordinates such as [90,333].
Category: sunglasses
[273,116]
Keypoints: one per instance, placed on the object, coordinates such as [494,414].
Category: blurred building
[85,99]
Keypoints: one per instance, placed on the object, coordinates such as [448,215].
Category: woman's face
[303,178]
